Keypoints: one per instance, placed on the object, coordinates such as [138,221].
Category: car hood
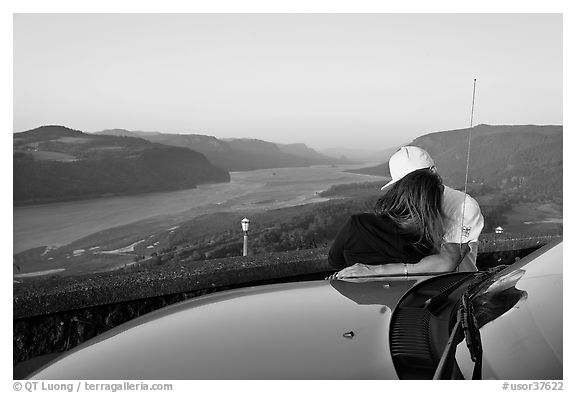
[309,330]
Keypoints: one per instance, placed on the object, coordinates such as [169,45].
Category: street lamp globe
[245,223]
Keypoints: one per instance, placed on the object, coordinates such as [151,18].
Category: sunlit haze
[328,80]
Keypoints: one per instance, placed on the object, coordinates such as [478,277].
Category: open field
[533,217]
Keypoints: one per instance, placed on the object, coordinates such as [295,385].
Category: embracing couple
[418,226]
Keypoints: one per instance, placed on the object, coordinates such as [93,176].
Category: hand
[356,270]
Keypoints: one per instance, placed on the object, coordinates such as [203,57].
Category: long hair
[414,203]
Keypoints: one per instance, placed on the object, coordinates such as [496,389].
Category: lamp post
[245,223]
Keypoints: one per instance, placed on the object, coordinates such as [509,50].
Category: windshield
[498,298]
[519,315]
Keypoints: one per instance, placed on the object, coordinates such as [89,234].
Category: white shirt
[456,230]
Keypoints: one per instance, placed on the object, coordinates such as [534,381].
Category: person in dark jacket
[405,226]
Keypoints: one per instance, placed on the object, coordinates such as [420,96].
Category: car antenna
[467,165]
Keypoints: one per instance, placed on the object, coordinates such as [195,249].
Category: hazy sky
[354,80]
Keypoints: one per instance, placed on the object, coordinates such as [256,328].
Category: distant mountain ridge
[241,154]
[301,150]
[360,155]
[521,158]
[55,163]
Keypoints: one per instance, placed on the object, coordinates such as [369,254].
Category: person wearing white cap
[463,222]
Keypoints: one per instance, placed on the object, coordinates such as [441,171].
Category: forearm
[431,264]
[446,261]
[437,263]
[389,269]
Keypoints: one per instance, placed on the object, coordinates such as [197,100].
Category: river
[58,224]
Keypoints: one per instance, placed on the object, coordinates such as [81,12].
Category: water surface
[61,223]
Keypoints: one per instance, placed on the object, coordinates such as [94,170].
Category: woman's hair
[414,203]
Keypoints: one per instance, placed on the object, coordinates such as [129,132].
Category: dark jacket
[373,240]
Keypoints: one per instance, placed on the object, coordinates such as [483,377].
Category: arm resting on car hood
[446,261]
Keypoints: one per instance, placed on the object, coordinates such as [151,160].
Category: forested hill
[237,154]
[55,163]
[524,159]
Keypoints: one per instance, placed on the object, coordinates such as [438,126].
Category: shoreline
[64,223]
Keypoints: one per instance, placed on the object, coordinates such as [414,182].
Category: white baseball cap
[406,160]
